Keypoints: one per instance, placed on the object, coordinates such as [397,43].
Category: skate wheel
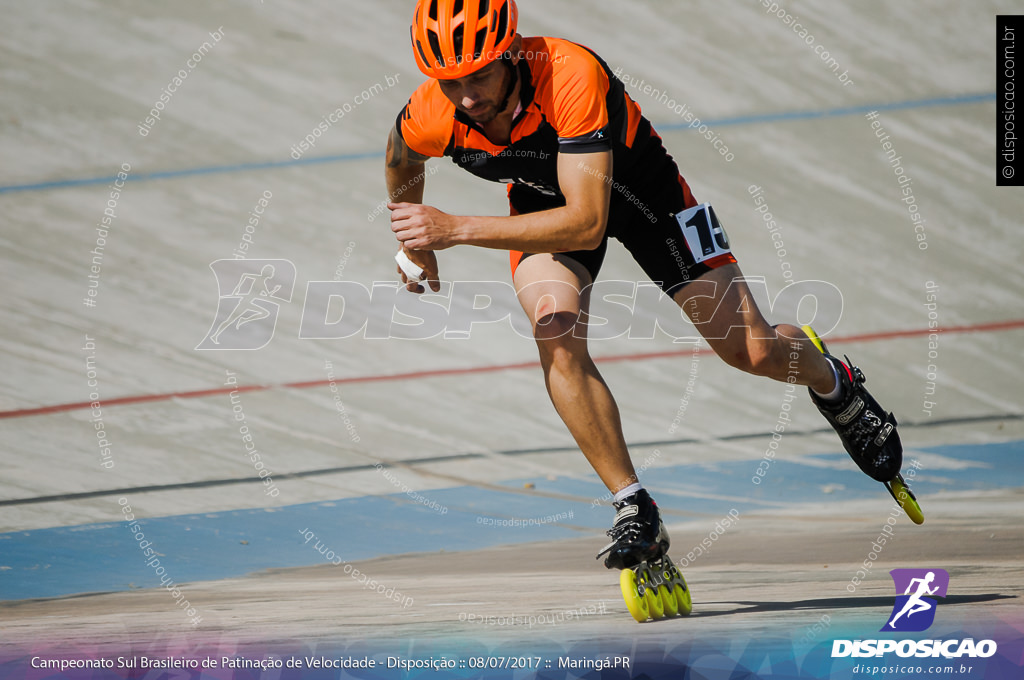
[635,602]
[818,342]
[668,601]
[683,601]
[654,603]
[905,497]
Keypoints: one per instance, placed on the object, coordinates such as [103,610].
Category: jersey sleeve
[580,94]
[426,122]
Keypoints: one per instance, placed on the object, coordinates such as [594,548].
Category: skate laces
[626,531]
[862,430]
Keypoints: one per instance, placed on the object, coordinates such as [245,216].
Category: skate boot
[867,431]
[652,586]
[637,533]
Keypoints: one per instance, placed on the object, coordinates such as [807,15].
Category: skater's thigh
[553,289]
[722,308]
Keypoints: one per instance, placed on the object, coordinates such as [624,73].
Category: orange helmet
[453,38]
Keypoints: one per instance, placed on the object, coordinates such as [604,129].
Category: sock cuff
[628,491]
[837,391]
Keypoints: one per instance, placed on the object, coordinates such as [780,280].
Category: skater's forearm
[404,174]
[403,171]
[578,225]
[405,183]
[548,231]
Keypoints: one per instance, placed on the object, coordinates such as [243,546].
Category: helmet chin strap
[513,78]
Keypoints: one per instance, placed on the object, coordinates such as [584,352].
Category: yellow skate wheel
[809,332]
[635,603]
[683,599]
[907,501]
[654,603]
[668,601]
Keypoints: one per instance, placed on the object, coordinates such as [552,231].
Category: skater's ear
[515,50]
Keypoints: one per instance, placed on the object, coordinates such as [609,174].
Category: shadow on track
[833,603]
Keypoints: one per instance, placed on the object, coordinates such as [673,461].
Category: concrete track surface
[437,468]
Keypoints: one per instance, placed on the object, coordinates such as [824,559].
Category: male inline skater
[546,117]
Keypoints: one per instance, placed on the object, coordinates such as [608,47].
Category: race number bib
[704,235]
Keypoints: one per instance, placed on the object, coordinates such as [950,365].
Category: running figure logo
[250,295]
[913,611]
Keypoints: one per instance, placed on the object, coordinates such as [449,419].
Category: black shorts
[641,216]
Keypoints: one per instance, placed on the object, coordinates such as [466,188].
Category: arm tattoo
[399,153]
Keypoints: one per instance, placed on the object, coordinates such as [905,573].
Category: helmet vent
[435,47]
[432,12]
[502,22]
[457,7]
[484,6]
[478,48]
[423,56]
[457,36]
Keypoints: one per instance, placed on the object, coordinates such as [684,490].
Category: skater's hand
[422,227]
[427,261]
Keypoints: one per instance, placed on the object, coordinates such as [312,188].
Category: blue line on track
[107,557]
[188,172]
[349,157]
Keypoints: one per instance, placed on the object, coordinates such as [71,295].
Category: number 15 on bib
[704,235]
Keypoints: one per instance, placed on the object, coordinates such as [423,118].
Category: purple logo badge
[914,610]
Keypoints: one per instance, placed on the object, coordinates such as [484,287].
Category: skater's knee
[559,346]
[555,329]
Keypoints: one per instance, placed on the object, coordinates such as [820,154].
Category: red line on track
[442,372]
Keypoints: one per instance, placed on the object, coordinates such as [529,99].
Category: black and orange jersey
[570,103]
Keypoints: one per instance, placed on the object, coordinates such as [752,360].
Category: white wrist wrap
[412,271]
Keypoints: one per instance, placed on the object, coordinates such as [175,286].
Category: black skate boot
[867,431]
[637,533]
